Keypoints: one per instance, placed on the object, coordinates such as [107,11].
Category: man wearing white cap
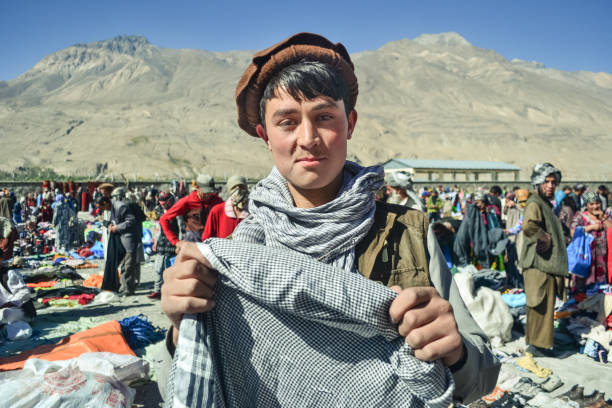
[225,217]
[399,188]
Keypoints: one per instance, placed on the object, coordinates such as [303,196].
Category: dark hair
[566,187]
[102,200]
[306,80]
[496,190]
[569,201]
[602,188]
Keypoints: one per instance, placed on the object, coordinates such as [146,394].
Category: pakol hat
[270,61]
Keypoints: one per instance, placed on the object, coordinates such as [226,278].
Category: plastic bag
[579,253]
[19,330]
[46,384]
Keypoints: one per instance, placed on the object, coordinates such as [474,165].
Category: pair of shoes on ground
[593,400]
[154,295]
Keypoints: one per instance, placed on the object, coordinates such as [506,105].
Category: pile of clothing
[92,368]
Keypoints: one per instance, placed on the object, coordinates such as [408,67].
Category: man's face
[106,192]
[567,191]
[547,189]
[578,192]
[480,204]
[104,206]
[193,220]
[307,138]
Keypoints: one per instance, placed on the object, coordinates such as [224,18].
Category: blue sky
[569,35]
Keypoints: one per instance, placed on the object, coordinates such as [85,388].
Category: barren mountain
[149,112]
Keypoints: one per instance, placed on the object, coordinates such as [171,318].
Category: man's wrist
[458,365]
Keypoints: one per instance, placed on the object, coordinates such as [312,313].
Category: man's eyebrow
[283,112]
[324,105]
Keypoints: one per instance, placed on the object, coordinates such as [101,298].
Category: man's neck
[310,198]
[546,199]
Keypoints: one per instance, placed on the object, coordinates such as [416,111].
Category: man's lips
[310,161]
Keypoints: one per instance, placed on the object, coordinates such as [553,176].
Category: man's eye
[326,116]
[286,123]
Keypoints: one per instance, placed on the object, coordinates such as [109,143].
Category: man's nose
[308,135]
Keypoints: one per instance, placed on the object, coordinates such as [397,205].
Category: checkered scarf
[291,331]
[329,232]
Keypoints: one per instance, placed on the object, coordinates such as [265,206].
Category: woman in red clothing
[224,217]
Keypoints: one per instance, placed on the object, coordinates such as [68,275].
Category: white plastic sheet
[91,380]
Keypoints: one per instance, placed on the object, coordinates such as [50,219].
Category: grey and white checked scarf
[328,233]
[291,331]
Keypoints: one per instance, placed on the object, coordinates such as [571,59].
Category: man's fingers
[409,298]
[414,318]
[439,348]
[443,326]
[192,288]
[191,304]
[191,269]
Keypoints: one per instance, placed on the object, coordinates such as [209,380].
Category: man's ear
[352,121]
[261,132]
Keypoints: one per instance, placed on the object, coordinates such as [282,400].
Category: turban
[543,170]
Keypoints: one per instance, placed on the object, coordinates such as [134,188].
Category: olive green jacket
[544,246]
[401,249]
[394,252]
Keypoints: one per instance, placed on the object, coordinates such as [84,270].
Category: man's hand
[112,229]
[428,324]
[188,286]
[178,246]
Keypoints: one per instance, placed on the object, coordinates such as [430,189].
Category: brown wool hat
[270,61]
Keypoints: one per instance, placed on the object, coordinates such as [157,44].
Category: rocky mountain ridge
[150,112]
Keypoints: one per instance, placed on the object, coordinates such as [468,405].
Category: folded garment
[93,281]
[528,363]
[82,299]
[514,300]
[42,284]
[67,291]
[105,337]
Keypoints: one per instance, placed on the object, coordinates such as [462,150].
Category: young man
[543,259]
[314,228]
[225,217]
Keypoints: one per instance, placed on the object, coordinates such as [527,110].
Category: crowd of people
[295,249]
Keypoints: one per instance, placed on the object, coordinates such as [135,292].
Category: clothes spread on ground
[225,358]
